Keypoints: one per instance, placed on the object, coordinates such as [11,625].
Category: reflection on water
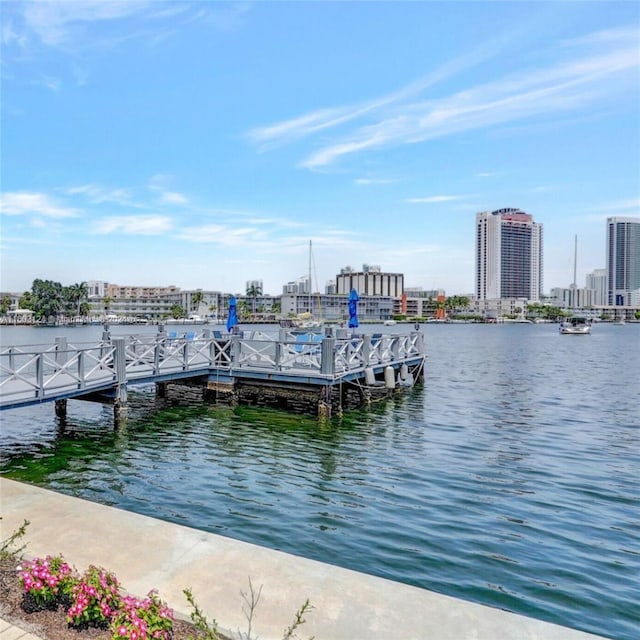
[509,479]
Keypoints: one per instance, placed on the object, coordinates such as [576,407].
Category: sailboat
[306,321]
[575,325]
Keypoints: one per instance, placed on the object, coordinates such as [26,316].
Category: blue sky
[203,144]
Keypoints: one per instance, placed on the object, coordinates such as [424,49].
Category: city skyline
[205,144]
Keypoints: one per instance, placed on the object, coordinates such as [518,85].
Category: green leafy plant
[206,630]
[96,598]
[147,619]
[250,599]
[47,583]
[7,549]
[290,632]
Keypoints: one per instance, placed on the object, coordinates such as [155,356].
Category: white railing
[45,372]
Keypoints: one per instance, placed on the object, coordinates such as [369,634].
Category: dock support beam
[120,400]
[61,409]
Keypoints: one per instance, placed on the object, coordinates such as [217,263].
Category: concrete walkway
[10,631]
[146,553]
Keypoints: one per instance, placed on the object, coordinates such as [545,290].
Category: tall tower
[623,259]
[508,255]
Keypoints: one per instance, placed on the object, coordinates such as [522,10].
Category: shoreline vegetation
[53,601]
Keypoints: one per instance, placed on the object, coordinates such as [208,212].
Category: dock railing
[40,373]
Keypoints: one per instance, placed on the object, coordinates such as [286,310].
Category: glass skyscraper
[623,260]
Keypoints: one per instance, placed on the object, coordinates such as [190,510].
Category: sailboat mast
[575,260]
[310,309]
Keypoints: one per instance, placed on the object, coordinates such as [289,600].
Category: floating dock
[315,373]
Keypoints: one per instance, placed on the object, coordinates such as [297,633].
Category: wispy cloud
[434,199]
[321,119]
[400,118]
[221,235]
[69,25]
[632,205]
[51,83]
[146,225]
[97,194]
[56,23]
[18,203]
[172,197]
[369,181]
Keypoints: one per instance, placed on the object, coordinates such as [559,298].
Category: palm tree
[196,299]
[253,291]
[107,301]
[76,295]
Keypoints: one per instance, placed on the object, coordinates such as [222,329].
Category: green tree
[75,295]
[196,299]
[107,300]
[253,291]
[243,309]
[47,298]
[5,303]
[177,311]
[26,301]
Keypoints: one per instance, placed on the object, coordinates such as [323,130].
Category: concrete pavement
[146,553]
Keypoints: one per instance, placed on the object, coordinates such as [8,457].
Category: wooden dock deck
[233,366]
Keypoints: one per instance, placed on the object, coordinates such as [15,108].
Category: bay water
[509,478]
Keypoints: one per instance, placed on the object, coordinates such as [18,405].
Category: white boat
[576,326]
[389,323]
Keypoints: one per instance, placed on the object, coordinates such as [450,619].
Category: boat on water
[576,326]
[389,323]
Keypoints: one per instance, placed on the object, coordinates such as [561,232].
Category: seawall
[146,553]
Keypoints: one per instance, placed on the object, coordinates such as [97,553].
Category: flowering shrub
[46,581]
[148,619]
[95,599]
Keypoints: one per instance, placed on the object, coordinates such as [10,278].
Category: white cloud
[222,235]
[134,225]
[322,119]
[97,194]
[631,205]
[19,203]
[369,181]
[55,23]
[172,197]
[434,199]
[399,118]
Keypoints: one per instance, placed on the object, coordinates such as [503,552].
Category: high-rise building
[508,255]
[597,281]
[371,281]
[623,260]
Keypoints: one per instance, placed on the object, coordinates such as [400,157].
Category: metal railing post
[61,348]
[366,349]
[327,356]
[39,376]
[81,382]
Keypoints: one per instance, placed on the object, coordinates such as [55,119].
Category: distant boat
[389,323]
[576,326]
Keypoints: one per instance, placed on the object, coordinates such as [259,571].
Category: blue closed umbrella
[353,308]
[232,318]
